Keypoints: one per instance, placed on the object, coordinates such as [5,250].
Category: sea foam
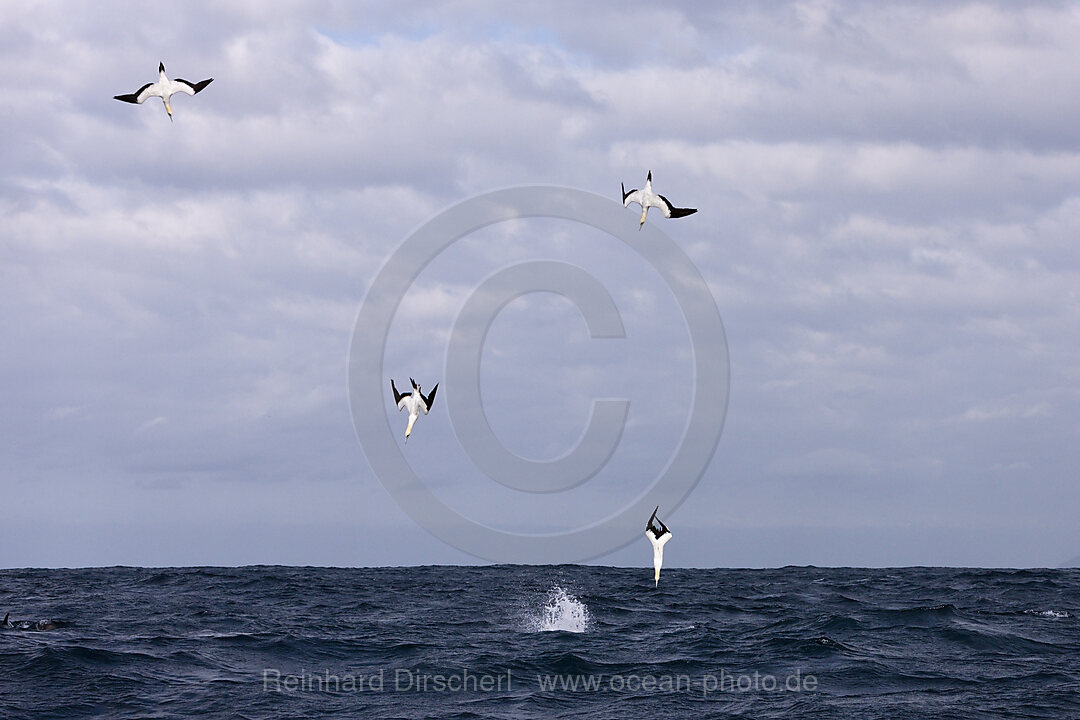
[561,612]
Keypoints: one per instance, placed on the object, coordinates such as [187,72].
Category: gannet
[414,402]
[40,625]
[647,198]
[164,88]
[658,536]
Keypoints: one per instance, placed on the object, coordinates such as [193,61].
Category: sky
[889,215]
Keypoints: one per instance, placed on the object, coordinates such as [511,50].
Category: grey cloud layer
[890,200]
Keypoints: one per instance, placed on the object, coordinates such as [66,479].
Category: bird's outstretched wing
[189,87]
[670,211]
[629,197]
[138,96]
[430,399]
[399,398]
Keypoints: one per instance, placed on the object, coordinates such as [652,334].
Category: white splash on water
[561,612]
[1049,613]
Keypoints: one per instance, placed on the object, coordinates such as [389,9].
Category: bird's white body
[657,553]
[413,405]
[646,198]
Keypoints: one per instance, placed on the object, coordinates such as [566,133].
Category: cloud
[889,195]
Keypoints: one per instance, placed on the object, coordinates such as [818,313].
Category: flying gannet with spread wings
[164,88]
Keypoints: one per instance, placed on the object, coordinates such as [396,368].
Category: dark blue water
[541,642]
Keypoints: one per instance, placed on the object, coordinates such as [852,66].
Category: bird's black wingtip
[196,88]
[397,395]
[161,67]
[650,176]
[674,212]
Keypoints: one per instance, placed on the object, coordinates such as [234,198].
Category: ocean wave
[183,641]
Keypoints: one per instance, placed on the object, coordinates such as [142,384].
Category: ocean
[540,642]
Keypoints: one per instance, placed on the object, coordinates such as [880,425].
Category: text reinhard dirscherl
[414,681]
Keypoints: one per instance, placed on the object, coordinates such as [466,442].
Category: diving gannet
[164,88]
[414,402]
[658,536]
[647,198]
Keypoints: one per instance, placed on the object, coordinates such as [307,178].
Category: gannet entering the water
[647,198]
[658,536]
[414,402]
[164,88]
[39,626]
